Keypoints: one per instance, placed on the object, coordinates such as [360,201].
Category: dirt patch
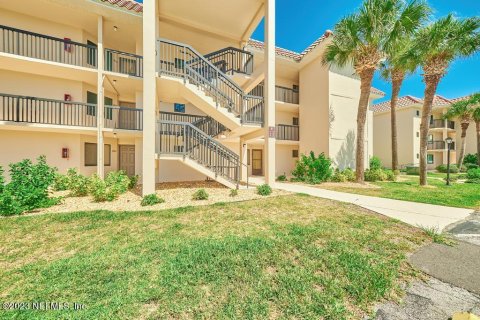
[178,194]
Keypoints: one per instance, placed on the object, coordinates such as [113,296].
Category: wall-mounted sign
[271,132]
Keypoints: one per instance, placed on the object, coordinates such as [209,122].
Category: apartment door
[257,162]
[127,159]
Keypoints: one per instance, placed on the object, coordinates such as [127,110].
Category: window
[418,113]
[91,53]
[91,110]
[295,87]
[294,153]
[418,156]
[179,107]
[418,134]
[91,154]
[430,158]
[430,137]
[295,121]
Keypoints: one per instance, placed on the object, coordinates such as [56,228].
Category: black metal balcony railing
[123,118]
[282,94]
[442,124]
[47,111]
[287,132]
[36,110]
[180,117]
[232,60]
[439,145]
[38,46]
[122,62]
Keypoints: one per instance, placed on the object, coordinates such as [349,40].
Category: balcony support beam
[150,35]
[269,92]
[100,100]
[243,160]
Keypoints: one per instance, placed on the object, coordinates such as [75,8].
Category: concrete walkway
[413,213]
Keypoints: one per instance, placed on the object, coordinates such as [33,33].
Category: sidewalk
[413,213]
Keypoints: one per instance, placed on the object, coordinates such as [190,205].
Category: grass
[284,257]
[408,188]
[438,237]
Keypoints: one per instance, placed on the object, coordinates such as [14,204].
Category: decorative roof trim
[408,101]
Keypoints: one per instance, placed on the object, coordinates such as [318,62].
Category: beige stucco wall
[21,144]
[314,108]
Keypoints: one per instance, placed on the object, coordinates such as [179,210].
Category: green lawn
[407,188]
[283,257]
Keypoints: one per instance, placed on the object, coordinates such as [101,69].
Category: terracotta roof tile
[407,101]
[259,45]
[127,4]
[377,91]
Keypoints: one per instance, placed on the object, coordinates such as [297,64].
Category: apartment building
[168,90]
[409,111]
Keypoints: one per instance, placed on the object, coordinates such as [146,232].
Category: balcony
[22,109]
[38,46]
[439,145]
[287,132]
[442,124]
[282,94]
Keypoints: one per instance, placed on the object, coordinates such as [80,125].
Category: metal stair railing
[183,138]
[231,60]
[182,61]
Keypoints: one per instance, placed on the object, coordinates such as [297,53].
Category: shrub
[338,176]
[470,158]
[264,190]
[200,194]
[373,175]
[151,200]
[390,174]
[443,168]
[473,176]
[412,170]
[28,187]
[375,163]
[282,177]
[61,182]
[233,192]
[349,174]
[133,181]
[469,166]
[78,184]
[115,183]
[313,170]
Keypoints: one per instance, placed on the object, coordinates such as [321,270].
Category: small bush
[375,163]
[443,168]
[282,177]
[373,175]
[97,189]
[390,174]
[412,170]
[473,176]
[469,166]
[338,176]
[200,194]
[115,184]
[151,200]
[349,174]
[233,192]
[60,183]
[78,184]
[118,181]
[133,181]
[28,187]
[313,169]
[264,190]
[470,158]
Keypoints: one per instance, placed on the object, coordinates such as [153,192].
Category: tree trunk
[366,78]
[464,126]
[477,123]
[396,85]
[431,84]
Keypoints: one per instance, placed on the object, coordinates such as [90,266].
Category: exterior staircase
[204,81]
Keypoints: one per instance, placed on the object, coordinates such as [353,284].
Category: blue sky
[301,22]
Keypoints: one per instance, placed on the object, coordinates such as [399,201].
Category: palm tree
[436,46]
[395,69]
[362,40]
[474,101]
[463,111]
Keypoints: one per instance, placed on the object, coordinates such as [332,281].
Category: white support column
[150,29]
[269,91]
[100,100]
[243,149]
